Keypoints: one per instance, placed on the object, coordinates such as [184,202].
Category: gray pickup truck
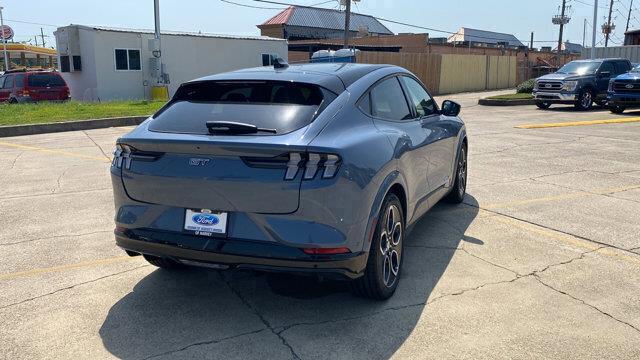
[580,82]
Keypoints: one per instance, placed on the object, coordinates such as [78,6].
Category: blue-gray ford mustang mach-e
[317,168]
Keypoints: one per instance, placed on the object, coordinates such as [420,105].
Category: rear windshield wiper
[230,127]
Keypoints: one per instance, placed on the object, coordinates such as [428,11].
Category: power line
[30,23]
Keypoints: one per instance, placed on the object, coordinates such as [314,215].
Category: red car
[32,86]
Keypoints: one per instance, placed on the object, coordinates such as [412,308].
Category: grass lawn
[39,113]
[521,96]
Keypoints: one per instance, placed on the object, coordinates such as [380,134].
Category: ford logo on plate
[205,219]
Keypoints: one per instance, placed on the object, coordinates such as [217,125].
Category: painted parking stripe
[579,123]
[53,151]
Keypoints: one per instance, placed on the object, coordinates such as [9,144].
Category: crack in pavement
[56,237]
[585,303]
[96,144]
[260,316]
[71,287]
[552,229]
[200,343]
[54,194]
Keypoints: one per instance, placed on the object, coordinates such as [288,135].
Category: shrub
[526,87]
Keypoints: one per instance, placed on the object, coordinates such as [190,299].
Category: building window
[77,63]
[65,65]
[127,60]
[268,59]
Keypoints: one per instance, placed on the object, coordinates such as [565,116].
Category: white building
[100,63]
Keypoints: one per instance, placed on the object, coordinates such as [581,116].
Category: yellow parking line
[574,195]
[53,151]
[579,123]
[38,271]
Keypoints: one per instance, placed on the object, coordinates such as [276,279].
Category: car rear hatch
[46,86]
[225,146]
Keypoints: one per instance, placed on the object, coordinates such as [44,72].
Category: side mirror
[450,108]
[605,74]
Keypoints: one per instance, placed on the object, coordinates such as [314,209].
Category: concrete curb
[496,102]
[19,130]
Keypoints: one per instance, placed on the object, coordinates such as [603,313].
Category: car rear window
[282,106]
[44,80]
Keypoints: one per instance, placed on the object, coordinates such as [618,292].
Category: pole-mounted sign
[6,32]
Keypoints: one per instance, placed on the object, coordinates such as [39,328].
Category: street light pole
[595,26]
[4,42]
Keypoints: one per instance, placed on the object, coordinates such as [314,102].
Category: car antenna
[280,63]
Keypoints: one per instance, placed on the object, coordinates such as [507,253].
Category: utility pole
[594,26]
[608,28]
[629,17]
[36,39]
[44,44]
[561,20]
[4,42]
[584,32]
[531,43]
[347,23]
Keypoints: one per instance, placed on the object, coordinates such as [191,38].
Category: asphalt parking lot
[542,260]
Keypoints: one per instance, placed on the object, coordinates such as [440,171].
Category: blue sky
[519,17]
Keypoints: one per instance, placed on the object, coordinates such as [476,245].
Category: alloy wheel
[586,100]
[391,245]
[462,172]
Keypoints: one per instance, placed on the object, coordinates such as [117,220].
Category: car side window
[388,101]
[19,81]
[8,82]
[622,67]
[608,66]
[2,82]
[419,98]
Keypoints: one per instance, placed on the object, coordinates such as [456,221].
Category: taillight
[311,164]
[23,92]
[123,154]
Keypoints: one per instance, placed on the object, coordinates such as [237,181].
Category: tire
[459,189]
[543,105]
[384,263]
[163,263]
[617,109]
[585,100]
[13,101]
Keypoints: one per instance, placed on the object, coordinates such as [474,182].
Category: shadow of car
[200,310]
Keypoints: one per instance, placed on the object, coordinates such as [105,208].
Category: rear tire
[617,109]
[163,263]
[13,101]
[585,100]
[459,189]
[384,263]
[543,105]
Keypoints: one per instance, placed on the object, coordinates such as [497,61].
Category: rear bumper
[240,254]
[555,97]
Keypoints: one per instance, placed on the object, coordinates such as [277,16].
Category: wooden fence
[452,73]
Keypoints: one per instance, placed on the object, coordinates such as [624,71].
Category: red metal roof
[281,18]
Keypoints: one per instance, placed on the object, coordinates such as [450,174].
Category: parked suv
[316,169]
[32,86]
[580,82]
[624,91]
